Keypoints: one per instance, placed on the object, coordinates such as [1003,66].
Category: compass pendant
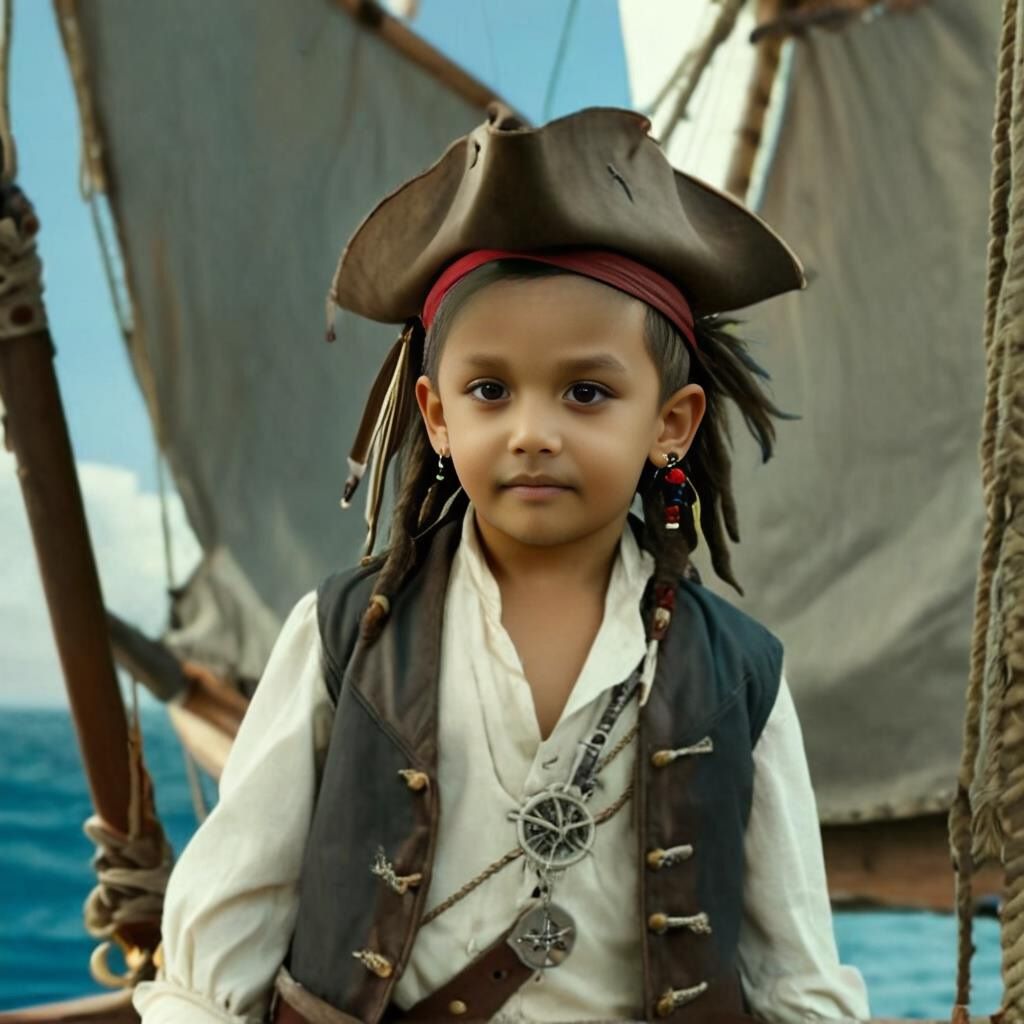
[543,937]
[555,829]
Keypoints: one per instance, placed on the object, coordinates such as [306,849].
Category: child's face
[508,403]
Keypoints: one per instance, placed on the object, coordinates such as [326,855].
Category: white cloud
[124,523]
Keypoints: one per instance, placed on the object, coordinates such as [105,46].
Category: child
[522,766]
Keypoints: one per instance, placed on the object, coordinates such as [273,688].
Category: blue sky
[102,403]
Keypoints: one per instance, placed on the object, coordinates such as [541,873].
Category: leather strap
[293,1003]
[476,993]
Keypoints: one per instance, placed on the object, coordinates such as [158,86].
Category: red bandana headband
[603,265]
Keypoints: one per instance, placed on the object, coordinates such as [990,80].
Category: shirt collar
[620,642]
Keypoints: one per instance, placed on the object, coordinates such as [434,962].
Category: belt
[476,993]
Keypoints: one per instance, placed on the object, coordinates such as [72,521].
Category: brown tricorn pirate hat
[594,179]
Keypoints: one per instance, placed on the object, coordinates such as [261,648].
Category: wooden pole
[36,432]
[759,91]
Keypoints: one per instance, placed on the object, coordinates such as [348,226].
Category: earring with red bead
[673,485]
[679,494]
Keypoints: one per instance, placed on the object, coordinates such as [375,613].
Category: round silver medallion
[544,936]
[555,829]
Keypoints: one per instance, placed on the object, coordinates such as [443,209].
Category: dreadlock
[721,365]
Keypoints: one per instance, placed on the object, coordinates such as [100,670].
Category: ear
[432,412]
[678,421]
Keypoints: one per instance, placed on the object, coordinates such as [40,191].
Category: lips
[539,481]
[534,492]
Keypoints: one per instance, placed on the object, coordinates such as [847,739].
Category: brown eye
[487,384]
[583,391]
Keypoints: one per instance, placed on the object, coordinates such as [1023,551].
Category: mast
[759,92]
[35,430]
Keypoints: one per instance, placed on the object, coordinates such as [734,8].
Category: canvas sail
[862,536]
[240,153]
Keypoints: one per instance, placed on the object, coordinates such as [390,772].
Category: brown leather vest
[717,678]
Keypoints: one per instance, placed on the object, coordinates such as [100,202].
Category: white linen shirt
[232,899]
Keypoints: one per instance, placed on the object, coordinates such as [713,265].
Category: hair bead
[375,615]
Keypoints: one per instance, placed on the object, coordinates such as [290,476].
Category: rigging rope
[725,21]
[131,871]
[986,821]
[195,784]
[563,49]
[165,524]
[21,271]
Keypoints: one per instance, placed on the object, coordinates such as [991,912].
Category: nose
[534,428]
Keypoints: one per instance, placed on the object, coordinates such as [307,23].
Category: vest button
[374,961]
[414,779]
[676,997]
[457,1007]
[658,922]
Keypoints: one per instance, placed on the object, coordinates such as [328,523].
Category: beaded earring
[673,488]
[674,482]
[440,467]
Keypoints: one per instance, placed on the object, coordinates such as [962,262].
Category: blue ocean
[907,959]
